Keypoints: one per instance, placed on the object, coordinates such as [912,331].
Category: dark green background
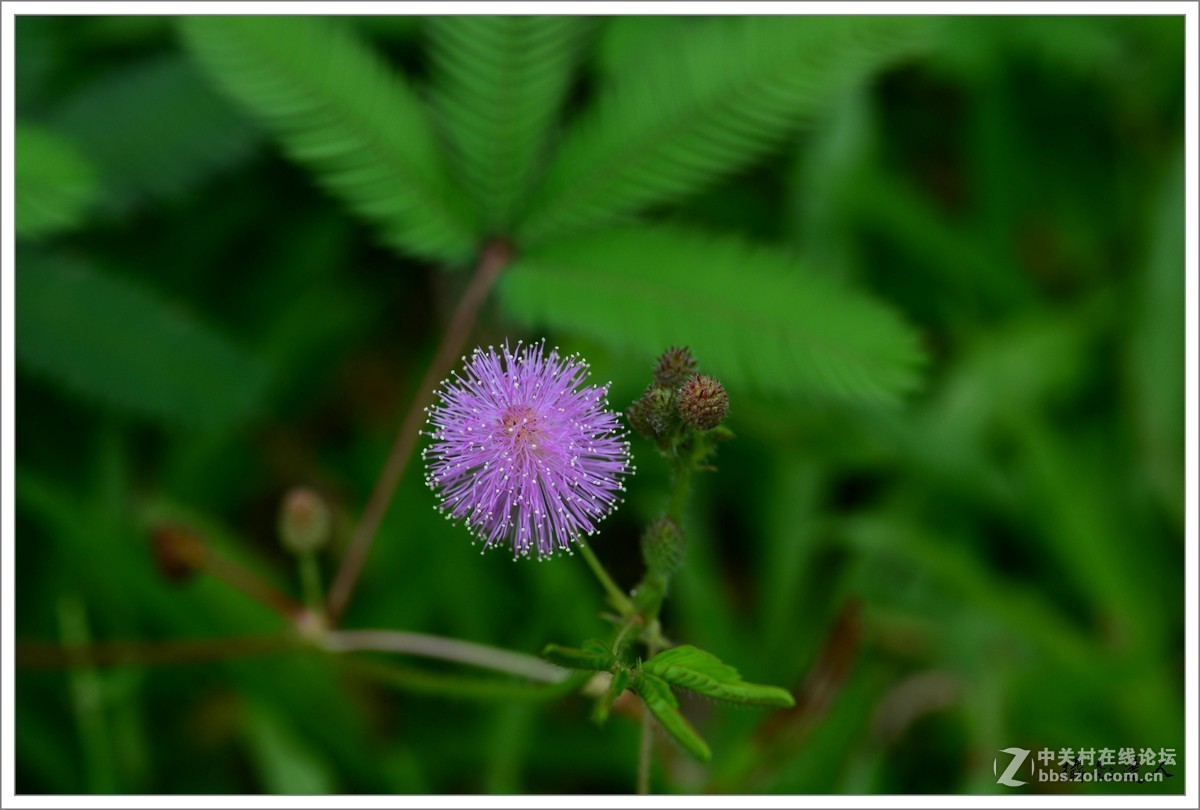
[1004,548]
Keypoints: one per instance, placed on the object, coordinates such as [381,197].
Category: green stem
[310,585]
[615,595]
[464,687]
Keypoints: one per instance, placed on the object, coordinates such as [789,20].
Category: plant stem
[492,261]
[646,748]
[445,649]
[616,596]
[310,585]
[438,683]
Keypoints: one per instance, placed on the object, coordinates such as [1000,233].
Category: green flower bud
[663,547]
[653,415]
[703,402]
[674,367]
[304,521]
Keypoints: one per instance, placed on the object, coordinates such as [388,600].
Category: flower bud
[653,414]
[178,553]
[304,521]
[674,367]
[663,547]
[703,402]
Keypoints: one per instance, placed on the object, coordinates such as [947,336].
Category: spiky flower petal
[521,453]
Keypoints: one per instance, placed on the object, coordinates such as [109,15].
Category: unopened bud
[304,521]
[663,547]
[178,552]
[674,367]
[703,402]
[653,414]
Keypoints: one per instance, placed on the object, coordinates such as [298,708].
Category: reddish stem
[492,261]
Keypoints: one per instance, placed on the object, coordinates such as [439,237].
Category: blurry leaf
[105,338]
[344,114]
[154,130]
[36,54]
[499,87]
[54,185]
[616,688]
[623,41]
[594,655]
[1155,360]
[657,696]
[753,315]
[88,700]
[284,762]
[691,668]
[722,97]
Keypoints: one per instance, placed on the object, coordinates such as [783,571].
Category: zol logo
[1019,756]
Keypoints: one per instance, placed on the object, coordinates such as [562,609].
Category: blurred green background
[993,559]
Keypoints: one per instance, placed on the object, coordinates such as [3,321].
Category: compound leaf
[346,116]
[753,315]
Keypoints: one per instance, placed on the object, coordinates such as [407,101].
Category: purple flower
[522,454]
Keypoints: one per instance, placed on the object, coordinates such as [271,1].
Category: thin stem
[456,686]
[494,259]
[445,649]
[616,596]
[142,653]
[645,752]
[310,585]
[646,748]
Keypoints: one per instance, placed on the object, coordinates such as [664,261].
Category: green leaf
[54,183]
[107,339]
[753,316]
[500,86]
[346,116]
[722,96]
[691,668]
[594,655]
[155,130]
[616,687]
[657,695]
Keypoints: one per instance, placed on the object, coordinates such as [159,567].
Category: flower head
[521,453]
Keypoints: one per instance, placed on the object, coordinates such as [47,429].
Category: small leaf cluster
[681,667]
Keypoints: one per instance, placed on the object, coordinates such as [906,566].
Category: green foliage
[616,687]
[114,342]
[998,557]
[724,95]
[500,83]
[661,701]
[154,130]
[594,655]
[347,116]
[54,183]
[691,668]
[756,316]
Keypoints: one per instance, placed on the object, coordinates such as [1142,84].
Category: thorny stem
[493,259]
[683,467]
[616,596]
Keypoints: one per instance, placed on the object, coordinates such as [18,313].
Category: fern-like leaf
[340,111]
[728,92]
[754,316]
[499,86]
[55,184]
[155,130]
[109,340]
